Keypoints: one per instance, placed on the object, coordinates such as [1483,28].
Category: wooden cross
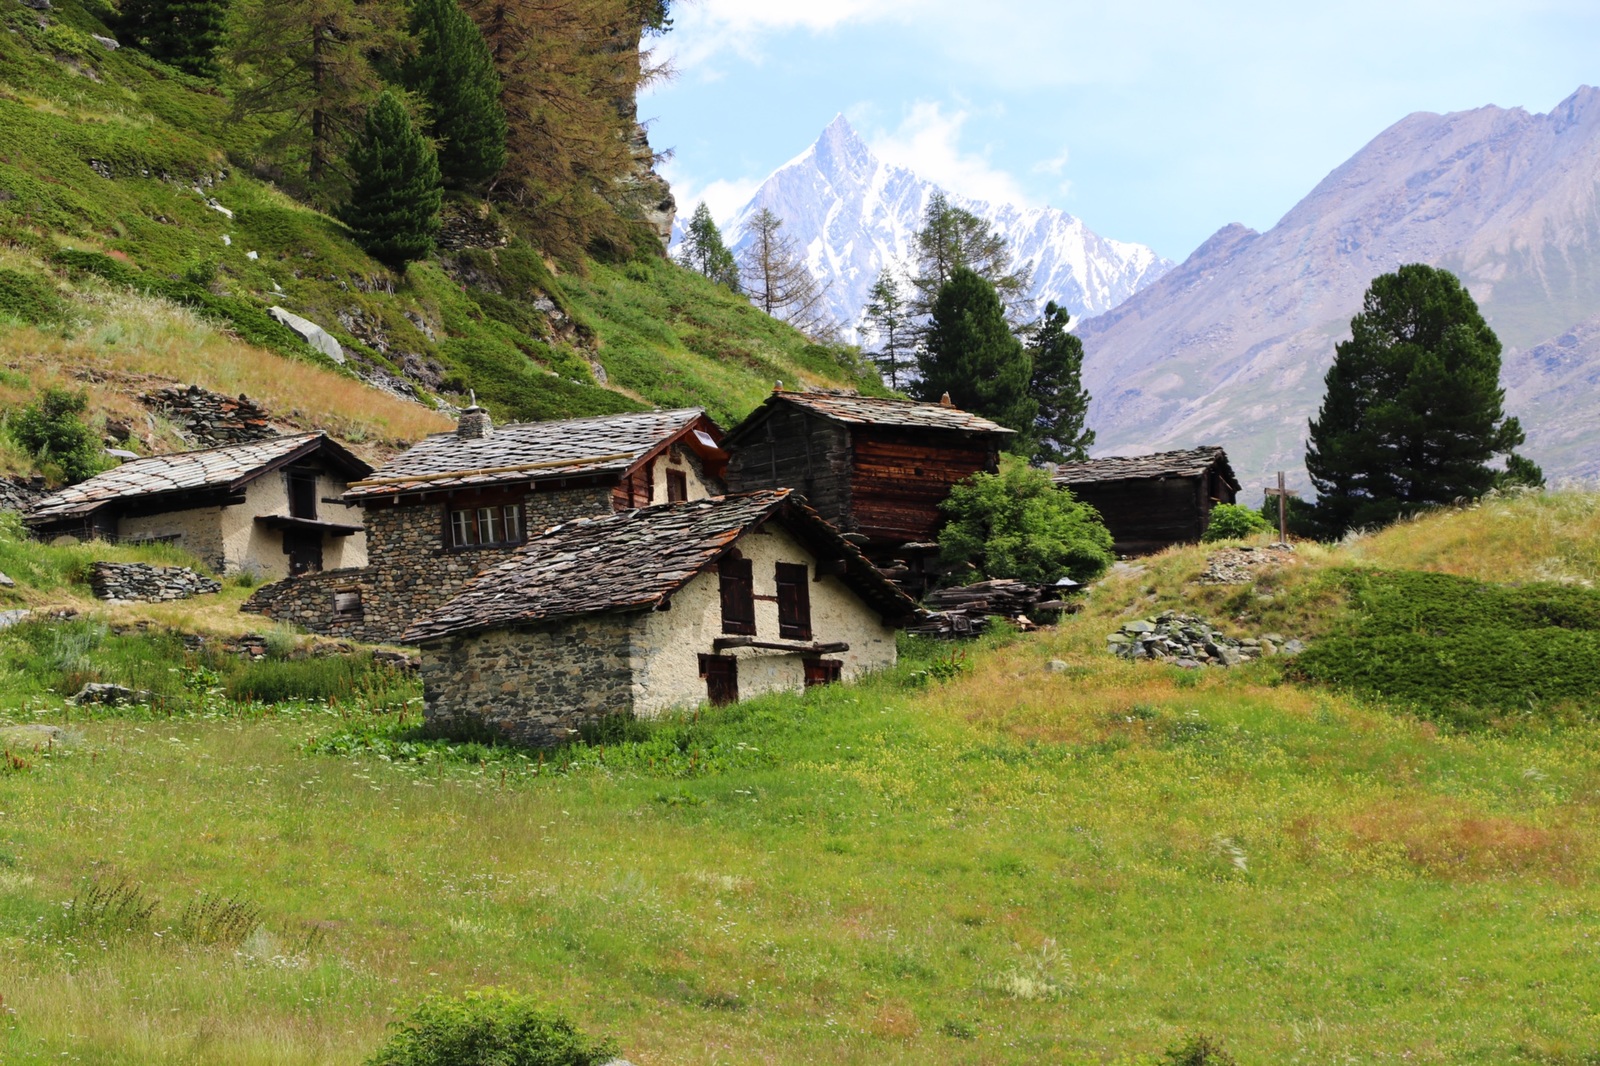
[1283,496]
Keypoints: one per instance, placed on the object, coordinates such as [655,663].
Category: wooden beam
[815,647]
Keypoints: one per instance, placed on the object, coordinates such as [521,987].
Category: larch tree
[775,277]
[888,318]
[1059,433]
[952,238]
[394,203]
[183,33]
[703,250]
[452,70]
[970,353]
[1413,413]
[308,67]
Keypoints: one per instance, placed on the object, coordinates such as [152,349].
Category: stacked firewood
[965,610]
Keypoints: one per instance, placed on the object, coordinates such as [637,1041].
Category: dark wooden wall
[791,449]
[1147,515]
[902,475]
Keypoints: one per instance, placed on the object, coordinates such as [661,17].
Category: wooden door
[822,671]
[722,678]
[304,550]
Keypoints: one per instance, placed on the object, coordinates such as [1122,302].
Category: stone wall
[209,419]
[531,687]
[20,494]
[141,581]
[410,572]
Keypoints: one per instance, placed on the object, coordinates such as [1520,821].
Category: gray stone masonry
[530,687]
[409,571]
[1190,642]
[150,584]
[210,419]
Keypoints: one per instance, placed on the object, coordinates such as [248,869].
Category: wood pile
[966,609]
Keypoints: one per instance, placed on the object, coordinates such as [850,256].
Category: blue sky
[1158,121]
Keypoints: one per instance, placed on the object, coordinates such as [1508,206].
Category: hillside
[1019,850]
[132,246]
[1231,346]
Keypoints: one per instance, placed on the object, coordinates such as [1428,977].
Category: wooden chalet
[876,468]
[269,507]
[1149,502]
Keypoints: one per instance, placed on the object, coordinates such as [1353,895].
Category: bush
[1019,524]
[1198,1050]
[30,300]
[1230,521]
[488,1027]
[52,431]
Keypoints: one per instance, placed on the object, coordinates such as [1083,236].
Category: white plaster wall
[668,644]
[253,547]
[199,531]
[681,457]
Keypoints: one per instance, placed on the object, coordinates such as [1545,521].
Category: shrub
[28,299]
[1019,524]
[488,1027]
[51,429]
[1230,521]
[1198,1050]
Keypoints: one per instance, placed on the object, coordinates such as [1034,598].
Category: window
[677,486]
[302,495]
[472,527]
[347,602]
[794,601]
[738,594]
[822,671]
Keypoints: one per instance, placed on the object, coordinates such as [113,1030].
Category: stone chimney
[944,401]
[475,424]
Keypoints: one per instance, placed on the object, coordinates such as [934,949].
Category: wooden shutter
[794,601]
[822,671]
[677,486]
[737,582]
[722,678]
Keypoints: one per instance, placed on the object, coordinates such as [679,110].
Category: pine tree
[778,281]
[183,33]
[453,71]
[1059,434]
[887,317]
[309,65]
[952,238]
[394,204]
[970,353]
[1413,411]
[702,249]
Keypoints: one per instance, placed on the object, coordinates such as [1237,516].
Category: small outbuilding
[1149,502]
[658,608]
[875,467]
[269,507]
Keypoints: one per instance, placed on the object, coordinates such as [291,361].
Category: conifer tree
[394,204]
[309,65]
[887,317]
[778,281]
[970,353]
[1413,411]
[183,33]
[702,249]
[1059,434]
[952,238]
[452,70]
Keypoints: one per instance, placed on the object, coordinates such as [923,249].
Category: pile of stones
[209,419]
[146,583]
[1238,566]
[1188,641]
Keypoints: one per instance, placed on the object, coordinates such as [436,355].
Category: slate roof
[527,451]
[848,408]
[632,560]
[227,467]
[1190,463]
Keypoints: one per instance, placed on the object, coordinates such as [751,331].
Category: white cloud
[724,196]
[928,142]
[705,28]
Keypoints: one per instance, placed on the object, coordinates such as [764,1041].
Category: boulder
[28,737]
[96,692]
[11,618]
[108,43]
[311,333]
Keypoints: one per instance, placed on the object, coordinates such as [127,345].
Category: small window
[737,582]
[794,601]
[473,527]
[303,496]
[347,603]
[677,486]
[822,671]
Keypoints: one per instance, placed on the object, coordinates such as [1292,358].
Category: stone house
[270,508]
[875,467]
[645,611]
[456,503]
[1150,502]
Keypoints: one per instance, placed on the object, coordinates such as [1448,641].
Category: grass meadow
[971,859]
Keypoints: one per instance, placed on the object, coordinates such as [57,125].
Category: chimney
[944,401]
[475,424]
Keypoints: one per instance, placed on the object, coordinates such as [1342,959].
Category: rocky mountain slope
[1231,346]
[854,214]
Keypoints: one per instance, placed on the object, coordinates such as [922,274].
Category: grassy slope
[109,153]
[1012,866]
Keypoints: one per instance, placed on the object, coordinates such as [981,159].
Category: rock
[37,5]
[144,583]
[310,332]
[1188,664]
[27,737]
[111,695]
[1139,627]
[6,582]
[1057,666]
[11,618]
[1293,647]
[1117,638]
[1268,647]
[108,43]
[1276,638]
